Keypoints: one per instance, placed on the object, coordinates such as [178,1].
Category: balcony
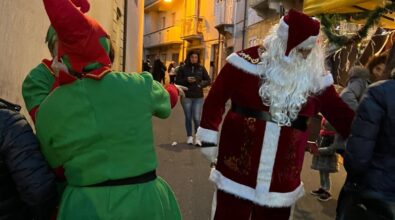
[192,28]
[165,37]
[156,5]
[224,20]
[267,8]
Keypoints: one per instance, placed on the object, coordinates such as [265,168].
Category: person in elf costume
[39,82]
[97,124]
[274,91]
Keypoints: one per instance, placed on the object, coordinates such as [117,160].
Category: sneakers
[321,194]
[190,140]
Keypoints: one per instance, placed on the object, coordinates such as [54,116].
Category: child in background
[325,158]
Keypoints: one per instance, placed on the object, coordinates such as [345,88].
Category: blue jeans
[192,110]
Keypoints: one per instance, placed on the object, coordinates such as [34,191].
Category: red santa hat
[299,30]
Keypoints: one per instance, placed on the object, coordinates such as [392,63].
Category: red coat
[258,160]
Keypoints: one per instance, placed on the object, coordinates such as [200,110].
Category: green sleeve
[37,86]
[160,98]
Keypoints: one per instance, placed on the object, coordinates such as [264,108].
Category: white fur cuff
[327,81]
[207,135]
[210,153]
[242,64]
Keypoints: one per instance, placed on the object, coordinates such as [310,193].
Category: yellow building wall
[23,26]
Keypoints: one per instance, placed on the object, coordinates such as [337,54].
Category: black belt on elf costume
[143,178]
[299,123]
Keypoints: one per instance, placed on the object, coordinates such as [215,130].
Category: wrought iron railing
[165,36]
[192,26]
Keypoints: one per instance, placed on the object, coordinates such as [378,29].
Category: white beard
[287,82]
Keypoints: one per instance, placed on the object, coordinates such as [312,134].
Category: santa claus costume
[96,123]
[274,91]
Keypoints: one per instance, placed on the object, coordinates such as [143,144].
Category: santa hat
[298,30]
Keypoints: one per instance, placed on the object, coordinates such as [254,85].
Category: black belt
[143,178]
[299,123]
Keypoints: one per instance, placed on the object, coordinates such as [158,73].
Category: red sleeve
[220,92]
[339,115]
[173,93]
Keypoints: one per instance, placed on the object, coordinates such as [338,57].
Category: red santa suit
[259,162]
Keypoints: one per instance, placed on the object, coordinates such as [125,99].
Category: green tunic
[37,85]
[102,130]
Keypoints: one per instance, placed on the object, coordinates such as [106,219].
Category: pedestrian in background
[172,72]
[193,76]
[159,70]
[376,66]
[325,159]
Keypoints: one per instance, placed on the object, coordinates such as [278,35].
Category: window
[173,19]
[163,22]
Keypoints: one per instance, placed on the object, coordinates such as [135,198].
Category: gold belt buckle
[251,120]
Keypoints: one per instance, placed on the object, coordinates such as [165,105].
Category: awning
[316,7]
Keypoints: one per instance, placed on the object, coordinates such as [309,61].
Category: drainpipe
[125,34]
[183,34]
[244,23]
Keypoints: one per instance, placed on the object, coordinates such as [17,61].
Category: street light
[168,1]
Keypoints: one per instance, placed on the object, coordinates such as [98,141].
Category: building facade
[263,14]
[172,28]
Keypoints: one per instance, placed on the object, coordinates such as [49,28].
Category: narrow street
[186,170]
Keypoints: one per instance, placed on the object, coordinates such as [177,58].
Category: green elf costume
[97,125]
[41,80]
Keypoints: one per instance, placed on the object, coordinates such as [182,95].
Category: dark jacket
[158,70]
[195,89]
[27,185]
[370,152]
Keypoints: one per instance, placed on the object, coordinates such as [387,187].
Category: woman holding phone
[195,77]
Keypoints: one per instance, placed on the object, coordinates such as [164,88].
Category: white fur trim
[214,205]
[282,31]
[242,64]
[210,153]
[268,157]
[309,43]
[270,199]
[261,194]
[207,135]
[326,81]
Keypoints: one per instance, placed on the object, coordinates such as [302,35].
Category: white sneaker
[198,143]
[190,140]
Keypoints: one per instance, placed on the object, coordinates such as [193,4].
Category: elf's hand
[58,66]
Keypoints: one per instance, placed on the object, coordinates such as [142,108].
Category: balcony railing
[224,11]
[192,28]
[167,36]
[259,4]
[149,2]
